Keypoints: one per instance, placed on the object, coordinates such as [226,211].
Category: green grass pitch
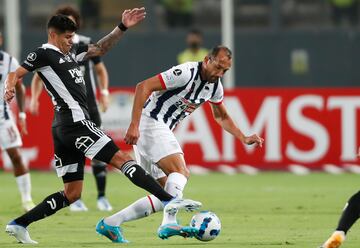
[267,210]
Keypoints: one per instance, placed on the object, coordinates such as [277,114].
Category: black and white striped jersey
[183,92]
[7,64]
[63,80]
[87,67]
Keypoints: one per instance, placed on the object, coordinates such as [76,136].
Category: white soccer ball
[208,223]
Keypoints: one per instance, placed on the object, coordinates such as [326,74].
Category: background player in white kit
[10,139]
[160,103]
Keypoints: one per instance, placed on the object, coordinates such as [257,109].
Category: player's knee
[182,169]
[16,160]
[73,195]
[119,159]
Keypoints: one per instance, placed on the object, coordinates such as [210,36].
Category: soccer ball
[208,223]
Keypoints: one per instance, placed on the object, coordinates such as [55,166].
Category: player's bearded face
[216,68]
[65,41]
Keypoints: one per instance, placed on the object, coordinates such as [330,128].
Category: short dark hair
[215,51]
[61,23]
[195,31]
[69,11]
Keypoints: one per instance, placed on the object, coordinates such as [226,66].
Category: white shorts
[156,142]
[9,134]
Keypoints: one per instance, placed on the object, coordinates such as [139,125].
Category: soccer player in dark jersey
[75,136]
[160,103]
[350,215]
[95,73]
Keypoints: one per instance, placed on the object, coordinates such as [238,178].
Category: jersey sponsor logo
[77,75]
[31,57]
[61,61]
[177,72]
[28,63]
[83,143]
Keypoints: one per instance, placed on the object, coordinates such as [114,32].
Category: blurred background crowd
[276,42]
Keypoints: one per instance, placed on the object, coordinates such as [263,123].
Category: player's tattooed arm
[226,122]
[130,17]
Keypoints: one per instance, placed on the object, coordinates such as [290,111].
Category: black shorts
[74,142]
[95,116]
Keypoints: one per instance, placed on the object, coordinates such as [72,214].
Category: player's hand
[132,134]
[104,102]
[254,139]
[131,17]
[359,152]
[34,106]
[23,127]
[9,93]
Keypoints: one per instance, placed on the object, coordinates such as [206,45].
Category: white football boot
[176,204]
[19,232]
[78,206]
[103,204]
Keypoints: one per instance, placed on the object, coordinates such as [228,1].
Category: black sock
[141,178]
[350,214]
[99,171]
[47,207]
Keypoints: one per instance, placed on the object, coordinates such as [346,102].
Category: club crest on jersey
[78,75]
[31,56]
[177,72]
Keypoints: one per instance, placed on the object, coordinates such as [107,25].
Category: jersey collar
[50,46]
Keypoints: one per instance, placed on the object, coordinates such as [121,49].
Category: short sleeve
[35,60]
[14,64]
[217,96]
[176,77]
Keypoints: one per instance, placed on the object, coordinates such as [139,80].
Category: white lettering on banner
[202,135]
[307,127]
[348,107]
[28,154]
[267,118]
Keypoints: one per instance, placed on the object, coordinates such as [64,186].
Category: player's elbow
[142,88]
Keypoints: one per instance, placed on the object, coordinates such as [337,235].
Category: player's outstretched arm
[11,80]
[142,92]
[226,122]
[103,84]
[130,18]
[36,89]
[20,100]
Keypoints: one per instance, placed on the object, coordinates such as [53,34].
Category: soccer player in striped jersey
[10,139]
[160,103]
[75,136]
[95,73]
[350,215]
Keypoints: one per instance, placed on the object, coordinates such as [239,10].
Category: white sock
[139,209]
[24,185]
[175,185]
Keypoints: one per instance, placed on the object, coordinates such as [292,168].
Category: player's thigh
[84,136]
[9,135]
[148,165]
[156,140]
[69,162]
